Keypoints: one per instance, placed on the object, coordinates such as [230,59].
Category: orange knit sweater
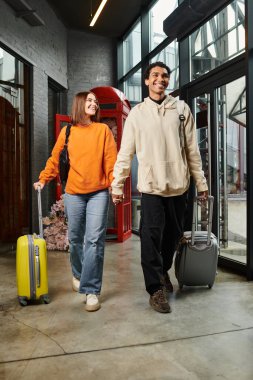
[92,154]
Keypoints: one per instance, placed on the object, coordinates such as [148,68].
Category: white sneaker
[75,284]
[92,302]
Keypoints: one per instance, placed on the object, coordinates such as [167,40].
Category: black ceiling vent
[23,10]
[190,15]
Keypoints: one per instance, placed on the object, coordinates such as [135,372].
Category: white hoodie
[152,131]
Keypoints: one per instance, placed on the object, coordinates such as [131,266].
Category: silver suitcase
[197,253]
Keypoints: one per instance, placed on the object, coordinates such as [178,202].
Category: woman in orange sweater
[92,154]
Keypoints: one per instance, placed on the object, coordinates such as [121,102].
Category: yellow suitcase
[31,266]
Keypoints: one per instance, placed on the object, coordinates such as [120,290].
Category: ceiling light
[99,10]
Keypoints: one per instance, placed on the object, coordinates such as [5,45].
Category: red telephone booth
[114,108]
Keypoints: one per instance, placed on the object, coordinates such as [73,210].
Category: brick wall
[91,62]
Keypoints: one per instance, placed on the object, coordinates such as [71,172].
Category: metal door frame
[209,84]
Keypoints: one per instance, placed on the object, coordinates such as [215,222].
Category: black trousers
[161,226]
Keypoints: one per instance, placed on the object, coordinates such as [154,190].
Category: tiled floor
[208,335]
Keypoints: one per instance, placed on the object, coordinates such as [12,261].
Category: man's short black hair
[155,64]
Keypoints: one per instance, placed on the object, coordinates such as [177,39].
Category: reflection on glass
[132,88]
[201,110]
[132,48]
[112,124]
[136,213]
[169,56]
[158,13]
[233,176]
[7,66]
[232,193]
[16,97]
[219,40]
[11,69]
[201,116]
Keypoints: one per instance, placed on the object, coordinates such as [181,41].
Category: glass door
[220,115]
[201,113]
[232,185]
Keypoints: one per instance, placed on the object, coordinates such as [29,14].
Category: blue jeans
[87,220]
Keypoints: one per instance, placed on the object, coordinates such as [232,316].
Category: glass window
[158,13]
[11,69]
[132,48]
[169,56]
[132,88]
[219,40]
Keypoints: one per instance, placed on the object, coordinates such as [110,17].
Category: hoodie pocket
[164,176]
[145,178]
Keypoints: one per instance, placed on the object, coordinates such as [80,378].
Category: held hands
[117,198]
[38,184]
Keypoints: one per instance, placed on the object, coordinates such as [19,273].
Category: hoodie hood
[168,102]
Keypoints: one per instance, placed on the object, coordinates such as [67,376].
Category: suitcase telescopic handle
[40,212]
[37,261]
[209,221]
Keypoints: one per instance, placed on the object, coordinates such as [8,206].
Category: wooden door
[10,173]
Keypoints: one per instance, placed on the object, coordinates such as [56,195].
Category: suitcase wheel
[210,286]
[45,299]
[22,301]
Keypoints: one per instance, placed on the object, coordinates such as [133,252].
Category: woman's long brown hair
[78,115]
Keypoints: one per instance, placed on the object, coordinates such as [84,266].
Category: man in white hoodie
[152,131]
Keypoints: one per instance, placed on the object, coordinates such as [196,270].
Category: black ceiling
[114,20]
